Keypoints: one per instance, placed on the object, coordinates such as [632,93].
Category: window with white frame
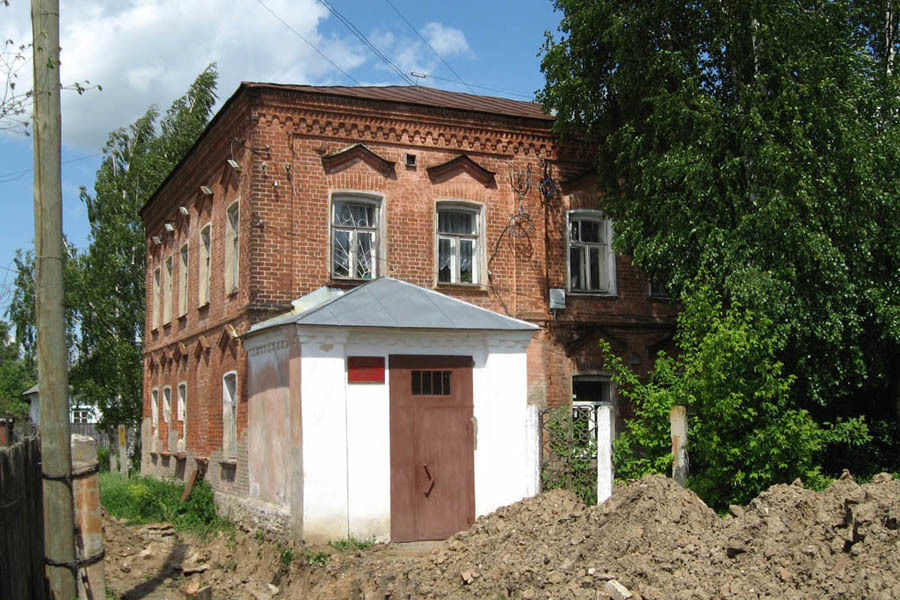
[354,237]
[154,322]
[203,276]
[167,404]
[154,412]
[81,415]
[591,260]
[458,246]
[232,246]
[229,415]
[167,291]
[181,412]
[183,281]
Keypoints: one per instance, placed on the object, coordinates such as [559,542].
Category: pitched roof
[424,96]
[392,303]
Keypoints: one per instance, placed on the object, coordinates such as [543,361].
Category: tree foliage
[15,375]
[136,161]
[105,284]
[760,142]
[745,434]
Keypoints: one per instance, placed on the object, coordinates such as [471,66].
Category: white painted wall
[323,403]
[346,427]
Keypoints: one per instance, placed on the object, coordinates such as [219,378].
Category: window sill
[180,455]
[584,294]
[469,287]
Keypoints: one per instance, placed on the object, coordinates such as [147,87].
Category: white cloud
[447,41]
[411,55]
[145,52]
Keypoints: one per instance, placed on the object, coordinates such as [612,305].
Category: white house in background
[389,411]
[79,413]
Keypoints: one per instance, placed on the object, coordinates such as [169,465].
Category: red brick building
[291,188]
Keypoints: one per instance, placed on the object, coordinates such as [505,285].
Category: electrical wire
[308,43]
[362,38]
[430,47]
[14,175]
[484,87]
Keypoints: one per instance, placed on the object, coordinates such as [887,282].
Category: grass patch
[141,500]
[350,544]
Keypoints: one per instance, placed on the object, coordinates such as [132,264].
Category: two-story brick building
[291,188]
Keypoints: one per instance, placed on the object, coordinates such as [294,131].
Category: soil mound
[655,539]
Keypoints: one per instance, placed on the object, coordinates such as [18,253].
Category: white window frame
[205,265]
[608,287]
[377,247]
[478,263]
[154,412]
[229,415]
[181,414]
[232,246]
[183,262]
[168,272]
[154,323]
[167,404]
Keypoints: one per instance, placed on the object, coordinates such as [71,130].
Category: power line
[484,87]
[362,38]
[308,43]
[14,175]
[436,53]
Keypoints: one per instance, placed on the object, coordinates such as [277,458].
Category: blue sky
[148,52]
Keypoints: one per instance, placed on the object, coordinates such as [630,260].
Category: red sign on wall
[365,369]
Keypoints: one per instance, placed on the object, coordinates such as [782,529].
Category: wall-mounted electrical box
[557,298]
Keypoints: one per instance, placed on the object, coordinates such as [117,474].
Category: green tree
[745,431]
[136,161]
[15,375]
[759,141]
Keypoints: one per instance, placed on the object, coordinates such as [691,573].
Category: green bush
[572,464]
[148,500]
[103,458]
[745,432]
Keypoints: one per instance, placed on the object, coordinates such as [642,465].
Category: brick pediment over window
[461,164]
[357,152]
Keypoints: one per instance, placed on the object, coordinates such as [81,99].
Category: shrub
[745,432]
[148,500]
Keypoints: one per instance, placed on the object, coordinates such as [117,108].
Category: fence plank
[21,522]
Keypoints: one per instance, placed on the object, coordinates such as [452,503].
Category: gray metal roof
[389,302]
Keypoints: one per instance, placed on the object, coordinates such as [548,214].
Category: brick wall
[279,139]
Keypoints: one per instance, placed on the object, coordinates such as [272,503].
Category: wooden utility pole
[53,377]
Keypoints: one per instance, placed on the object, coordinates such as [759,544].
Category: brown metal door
[432,446]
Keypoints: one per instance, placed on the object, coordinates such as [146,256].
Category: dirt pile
[653,537]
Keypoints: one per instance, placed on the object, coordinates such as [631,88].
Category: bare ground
[659,541]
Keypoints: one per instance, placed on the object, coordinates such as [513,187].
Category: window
[431,383]
[203,279]
[167,291]
[354,238]
[154,412]
[154,323]
[167,404]
[81,415]
[229,415]
[232,234]
[458,246]
[183,282]
[181,411]
[658,290]
[591,260]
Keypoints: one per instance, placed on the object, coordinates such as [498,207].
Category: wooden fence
[22,522]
